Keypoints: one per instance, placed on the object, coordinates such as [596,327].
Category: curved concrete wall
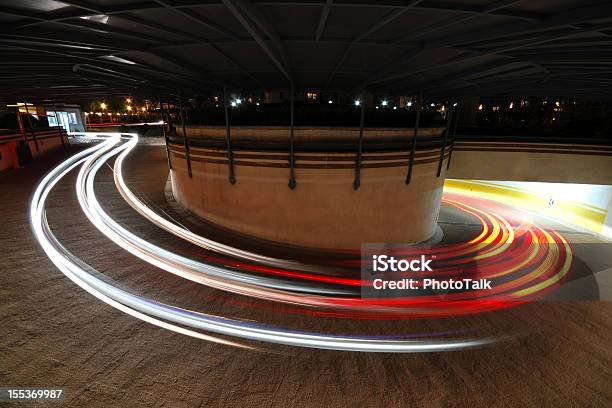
[303,134]
[323,211]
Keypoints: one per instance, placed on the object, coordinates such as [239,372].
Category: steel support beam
[323,19]
[254,25]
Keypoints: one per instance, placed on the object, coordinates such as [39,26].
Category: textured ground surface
[55,334]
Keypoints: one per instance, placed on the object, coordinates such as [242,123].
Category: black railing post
[228,139]
[414,139]
[185,140]
[292,182]
[164,132]
[357,181]
[452,144]
[31,126]
[449,118]
[59,128]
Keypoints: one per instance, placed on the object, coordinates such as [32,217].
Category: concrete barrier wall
[47,139]
[45,143]
[302,134]
[6,156]
[323,211]
[512,161]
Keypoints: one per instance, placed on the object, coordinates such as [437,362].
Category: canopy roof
[69,50]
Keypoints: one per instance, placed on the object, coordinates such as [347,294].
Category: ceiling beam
[494,52]
[389,17]
[254,24]
[458,19]
[323,19]
[191,15]
[566,18]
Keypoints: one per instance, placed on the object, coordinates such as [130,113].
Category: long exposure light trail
[493,243]
[151,311]
[494,249]
[66,262]
[194,270]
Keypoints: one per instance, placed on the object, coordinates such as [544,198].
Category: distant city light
[455,104]
[330,101]
[432,104]
[103,105]
[238,101]
[257,103]
[128,108]
[357,102]
[144,109]
[233,104]
[511,105]
[128,100]
[395,107]
[384,103]
[409,104]
[558,103]
[480,107]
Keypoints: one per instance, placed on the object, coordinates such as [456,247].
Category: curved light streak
[152,311]
[184,233]
[490,244]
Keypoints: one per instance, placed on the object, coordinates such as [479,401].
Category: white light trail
[151,311]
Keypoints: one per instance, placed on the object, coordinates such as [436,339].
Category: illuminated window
[51,119]
[312,96]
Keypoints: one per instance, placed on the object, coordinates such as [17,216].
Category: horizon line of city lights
[383,103]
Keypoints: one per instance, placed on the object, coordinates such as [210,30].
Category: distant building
[70,117]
